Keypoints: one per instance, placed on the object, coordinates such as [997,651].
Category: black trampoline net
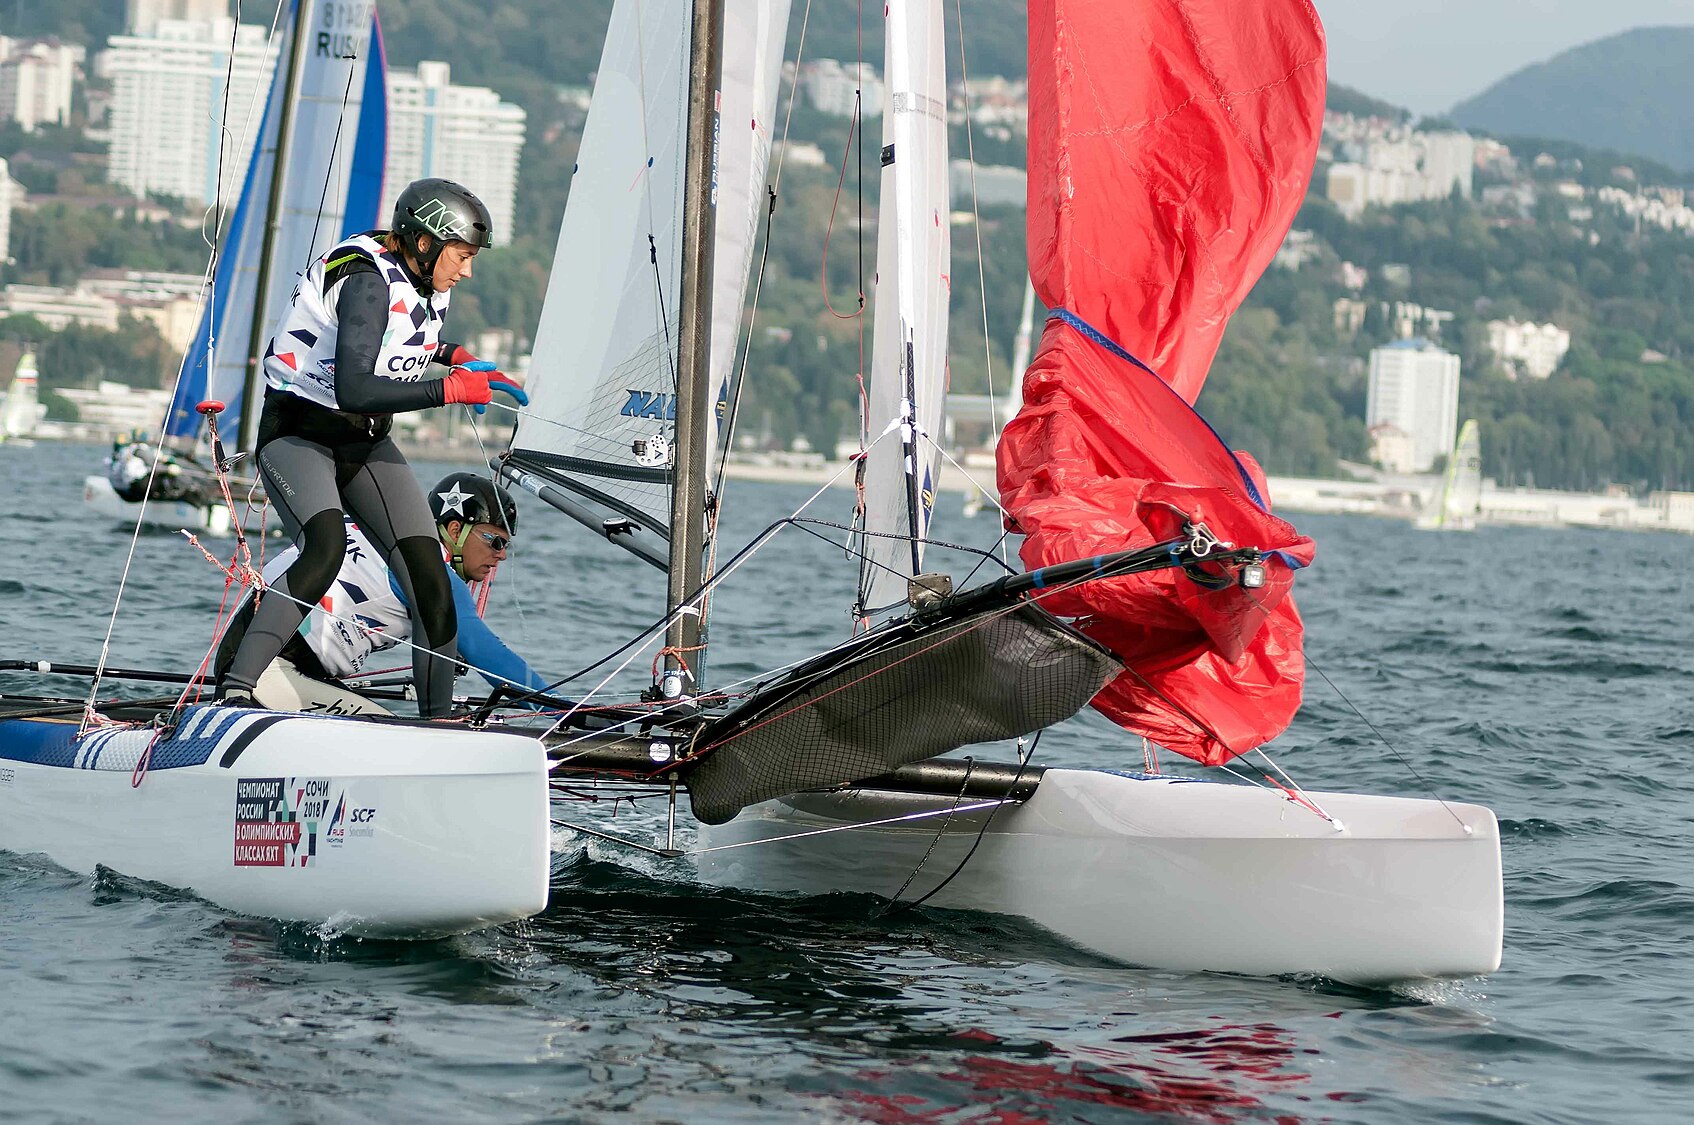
[895,696]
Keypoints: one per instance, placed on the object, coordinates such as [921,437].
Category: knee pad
[323,541]
[432,597]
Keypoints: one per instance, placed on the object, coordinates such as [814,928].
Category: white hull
[102,499]
[398,830]
[1168,873]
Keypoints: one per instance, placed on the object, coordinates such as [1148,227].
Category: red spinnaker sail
[1170,145]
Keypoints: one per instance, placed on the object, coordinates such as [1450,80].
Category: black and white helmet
[472,499]
[444,210]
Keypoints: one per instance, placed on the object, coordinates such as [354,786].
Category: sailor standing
[356,346]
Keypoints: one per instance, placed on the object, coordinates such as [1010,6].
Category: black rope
[740,380]
[894,899]
[1023,764]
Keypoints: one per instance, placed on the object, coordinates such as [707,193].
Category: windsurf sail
[909,339]
[1158,193]
[1461,488]
[327,147]
[599,434]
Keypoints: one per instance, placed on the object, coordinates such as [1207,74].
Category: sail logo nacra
[649,404]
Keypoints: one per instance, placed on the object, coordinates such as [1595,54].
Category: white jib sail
[603,378]
[318,158]
[909,340]
[754,36]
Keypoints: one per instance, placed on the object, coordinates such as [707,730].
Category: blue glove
[510,388]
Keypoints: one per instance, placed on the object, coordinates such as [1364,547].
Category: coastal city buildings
[168,95]
[1382,163]
[37,78]
[993,185]
[102,298]
[1414,387]
[1527,348]
[463,133]
[829,87]
[141,17]
[11,194]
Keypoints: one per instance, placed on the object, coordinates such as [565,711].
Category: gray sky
[1429,55]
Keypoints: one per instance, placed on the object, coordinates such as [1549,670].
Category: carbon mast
[686,638]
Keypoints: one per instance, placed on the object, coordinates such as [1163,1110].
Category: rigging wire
[208,277]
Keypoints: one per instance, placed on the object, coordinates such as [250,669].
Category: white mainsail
[754,35]
[20,407]
[909,341]
[603,380]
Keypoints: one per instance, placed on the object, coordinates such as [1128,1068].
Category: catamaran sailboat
[314,176]
[1157,584]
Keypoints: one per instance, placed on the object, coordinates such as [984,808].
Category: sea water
[1545,674]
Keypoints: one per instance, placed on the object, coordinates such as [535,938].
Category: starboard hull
[387,830]
[1167,873]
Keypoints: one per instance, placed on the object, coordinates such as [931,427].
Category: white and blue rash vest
[301,357]
[364,611]
[368,616]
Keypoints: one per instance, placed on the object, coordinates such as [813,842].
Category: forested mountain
[1620,410]
[1629,92]
[1286,385]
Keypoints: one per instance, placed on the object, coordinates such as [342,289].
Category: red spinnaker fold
[1170,145]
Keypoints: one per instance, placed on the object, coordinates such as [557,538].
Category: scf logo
[363,816]
[406,363]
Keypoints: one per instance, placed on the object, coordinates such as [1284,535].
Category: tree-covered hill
[1629,92]
[1287,385]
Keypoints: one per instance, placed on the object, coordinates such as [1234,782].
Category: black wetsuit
[316,461]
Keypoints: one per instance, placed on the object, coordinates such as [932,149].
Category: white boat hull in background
[1168,873]
[404,831]
[103,500]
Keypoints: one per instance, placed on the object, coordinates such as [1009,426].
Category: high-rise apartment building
[141,17]
[462,133]
[11,194]
[168,98]
[1414,386]
[37,77]
[832,87]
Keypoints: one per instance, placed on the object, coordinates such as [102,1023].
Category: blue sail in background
[332,182]
[370,145]
[238,260]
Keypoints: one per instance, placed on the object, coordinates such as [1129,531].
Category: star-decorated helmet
[473,499]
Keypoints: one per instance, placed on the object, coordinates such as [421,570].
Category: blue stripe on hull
[54,742]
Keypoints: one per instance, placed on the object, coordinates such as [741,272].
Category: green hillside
[1629,93]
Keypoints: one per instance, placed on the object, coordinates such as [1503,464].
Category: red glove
[469,383]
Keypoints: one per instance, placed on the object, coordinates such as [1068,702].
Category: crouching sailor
[365,610]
